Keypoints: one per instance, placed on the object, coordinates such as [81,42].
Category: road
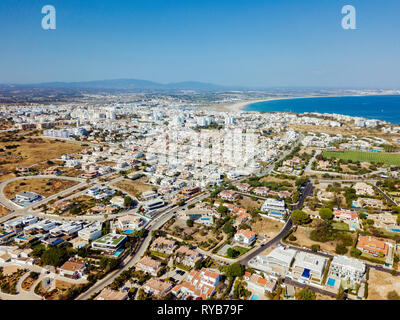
[130,260]
[389,199]
[277,239]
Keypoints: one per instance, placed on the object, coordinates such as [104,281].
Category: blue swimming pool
[331,282]
[306,273]
[205,219]
[118,252]
[395,230]
[129,231]
[276,213]
[254,297]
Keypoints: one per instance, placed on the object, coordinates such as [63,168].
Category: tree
[189,223]
[300,217]
[305,294]
[326,214]
[232,253]
[341,249]
[340,295]
[228,228]
[128,202]
[222,209]
[54,256]
[235,270]
[355,252]
[398,219]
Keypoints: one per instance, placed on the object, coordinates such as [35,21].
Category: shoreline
[240,106]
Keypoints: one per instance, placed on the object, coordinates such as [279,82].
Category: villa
[163,245]
[372,245]
[246,237]
[149,265]
[157,287]
[199,284]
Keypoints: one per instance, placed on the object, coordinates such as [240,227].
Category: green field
[385,158]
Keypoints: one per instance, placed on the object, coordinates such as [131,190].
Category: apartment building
[347,268]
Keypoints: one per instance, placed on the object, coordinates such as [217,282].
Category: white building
[309,266]
[278,261]
[347,268]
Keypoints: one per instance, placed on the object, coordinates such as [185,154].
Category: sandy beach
[239,106]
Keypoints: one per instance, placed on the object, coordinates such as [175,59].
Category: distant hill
[120,84]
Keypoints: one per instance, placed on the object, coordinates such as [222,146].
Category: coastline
[244,105]
[239,106]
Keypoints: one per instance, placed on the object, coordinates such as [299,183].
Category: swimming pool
[331,282]
[276,213]
[395,230]
[129,231]
[254,297]
[118,252]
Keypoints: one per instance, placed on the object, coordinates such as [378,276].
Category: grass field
[385,158]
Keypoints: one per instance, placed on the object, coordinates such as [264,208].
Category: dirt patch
[3,211]
[29,151]
[380,284]
[250,204]
[302,235]
[198,235]
[9,270]
[134,188]
[267,226]
[43,186]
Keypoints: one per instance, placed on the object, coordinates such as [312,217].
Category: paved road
[389,199]
[130,260]
[277,239]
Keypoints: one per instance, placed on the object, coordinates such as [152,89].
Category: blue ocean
[384,107]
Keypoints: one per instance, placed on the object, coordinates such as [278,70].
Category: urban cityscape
[274,176]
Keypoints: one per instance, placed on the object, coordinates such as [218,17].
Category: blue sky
[247,42]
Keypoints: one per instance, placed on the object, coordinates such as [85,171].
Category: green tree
[235,270]
[300,217]
[189,223]
[305,294]
[326,214]
[340,295]
[128,202]
[341,249]
[228,228]
[222,209]
[232,253]
[54,256]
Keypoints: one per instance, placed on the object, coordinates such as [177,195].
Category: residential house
[149,265]
[246,237]
[199,284]
[372,245]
